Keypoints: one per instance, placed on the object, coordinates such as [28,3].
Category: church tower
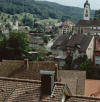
[86,11]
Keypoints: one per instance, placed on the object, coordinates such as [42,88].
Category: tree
[3,42]
[8,26]
[27,21]
[40,28]
[15,47]
[42,52]
[87,66]
[45,38]
[18,45]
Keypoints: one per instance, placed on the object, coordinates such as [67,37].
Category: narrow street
[48,46]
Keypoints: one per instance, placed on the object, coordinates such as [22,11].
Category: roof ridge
[18,61]
[26,80]
[20,80]
[59,83]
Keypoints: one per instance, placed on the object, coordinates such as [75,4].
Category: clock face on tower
[86,15]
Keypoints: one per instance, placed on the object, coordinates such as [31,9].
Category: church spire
[86,10]
[86,3]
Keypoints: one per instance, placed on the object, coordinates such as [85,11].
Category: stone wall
[74,79]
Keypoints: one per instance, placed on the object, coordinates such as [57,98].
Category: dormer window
[47,82]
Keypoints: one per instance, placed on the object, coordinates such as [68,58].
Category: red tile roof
[92,88]
[67,23]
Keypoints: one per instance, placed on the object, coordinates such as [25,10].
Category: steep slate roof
[75,80]
[65,41]
[60,41]
[74,40]
[85,42]
[88,23]
[18,90]
[17,69]
[78,39]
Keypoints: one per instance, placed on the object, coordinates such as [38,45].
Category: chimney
[47,82]
[26,64]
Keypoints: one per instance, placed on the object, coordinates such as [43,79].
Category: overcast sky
[95,4]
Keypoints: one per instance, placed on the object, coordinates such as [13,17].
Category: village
[50,61]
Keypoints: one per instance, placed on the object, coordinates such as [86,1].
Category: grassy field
[49,20]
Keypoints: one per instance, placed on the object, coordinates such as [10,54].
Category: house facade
[76,46]
[88,27]
[58,53]
[35,41]
[67,27]
[96,58]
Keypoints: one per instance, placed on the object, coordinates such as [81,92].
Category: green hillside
[41,9]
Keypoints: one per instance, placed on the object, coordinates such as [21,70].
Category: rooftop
[23,90]
[92,88]
[64,42]
[88,23]
[18,69]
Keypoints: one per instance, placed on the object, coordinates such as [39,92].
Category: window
[94,28]
[97,60]
[98,28]
[86,11]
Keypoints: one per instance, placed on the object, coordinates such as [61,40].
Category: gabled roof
[88,23]
[18,90]
[85,42]
[64,41]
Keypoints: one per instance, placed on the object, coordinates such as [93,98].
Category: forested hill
[41,9]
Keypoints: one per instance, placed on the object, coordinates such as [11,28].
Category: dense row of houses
[27,81]
[76,45]
[35,40]
[83,40]
[44,81]
[88,27]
